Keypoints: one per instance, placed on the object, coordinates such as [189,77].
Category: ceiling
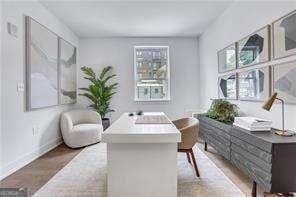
[137,18]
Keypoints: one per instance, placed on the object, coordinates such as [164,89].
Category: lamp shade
[269,102]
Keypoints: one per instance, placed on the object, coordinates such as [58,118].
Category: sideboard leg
[254,189]
[205,146]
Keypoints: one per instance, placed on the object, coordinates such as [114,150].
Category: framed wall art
[254,49]
[254,84]
[42,65]
[284,36]
[227,59]
[284,81]
[67,72]
[227,86]
[50,67]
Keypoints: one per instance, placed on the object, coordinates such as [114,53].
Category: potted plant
[100,91]
[222,111]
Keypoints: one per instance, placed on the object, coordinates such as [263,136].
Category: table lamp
[267,106]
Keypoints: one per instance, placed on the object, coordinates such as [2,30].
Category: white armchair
[81,128]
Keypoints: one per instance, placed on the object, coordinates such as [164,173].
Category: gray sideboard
[268,159]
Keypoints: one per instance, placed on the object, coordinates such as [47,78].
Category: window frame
[168,97]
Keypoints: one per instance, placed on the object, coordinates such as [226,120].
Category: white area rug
[85,176]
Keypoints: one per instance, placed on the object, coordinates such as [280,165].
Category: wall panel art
[284,81]
[254,84]
[67,73]
[254,49]
[284,36]
[42,66]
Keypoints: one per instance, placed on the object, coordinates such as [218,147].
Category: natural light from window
[151,66]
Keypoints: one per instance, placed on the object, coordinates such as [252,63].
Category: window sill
[152,100]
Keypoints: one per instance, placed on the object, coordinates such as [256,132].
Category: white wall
[18,144]
[118,52]
[239,20]
[0,83]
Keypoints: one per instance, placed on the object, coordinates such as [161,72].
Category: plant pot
[105,123]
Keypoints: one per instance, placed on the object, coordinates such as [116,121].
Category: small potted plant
[222,111]
[100,91]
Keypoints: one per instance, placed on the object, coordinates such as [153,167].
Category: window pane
[151,73]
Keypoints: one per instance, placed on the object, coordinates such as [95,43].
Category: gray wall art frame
[281,43]
[67,72]
[284,36]
[257,42]
[42,59]
[284,81]
[223,62]
[41,66]
[254,84]
[222,86]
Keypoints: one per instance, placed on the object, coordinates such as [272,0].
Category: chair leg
[194,162]
[188,157]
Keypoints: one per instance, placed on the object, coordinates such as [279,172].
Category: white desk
[142,158]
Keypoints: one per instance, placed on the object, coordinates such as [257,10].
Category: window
[152,73]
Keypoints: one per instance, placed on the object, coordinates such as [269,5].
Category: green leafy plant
[222,111]
[100,90]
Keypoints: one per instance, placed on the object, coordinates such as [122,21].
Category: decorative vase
[105,123]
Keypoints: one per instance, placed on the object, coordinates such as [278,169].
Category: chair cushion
[87,128]
[83,135]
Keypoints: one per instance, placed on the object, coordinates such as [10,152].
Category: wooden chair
[189,131]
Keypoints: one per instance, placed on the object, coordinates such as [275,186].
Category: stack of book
[253,123]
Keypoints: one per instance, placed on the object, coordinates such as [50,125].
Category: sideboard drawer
[218,146]
[265,156]
[256,173]
[252,158]
[213,130]
[218,125]
[218,134]
[256,141]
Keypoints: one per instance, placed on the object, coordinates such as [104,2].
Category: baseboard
[27,158]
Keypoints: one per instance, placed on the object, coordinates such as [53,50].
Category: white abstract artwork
[42,66]
[254,84]
[254,49]
[67,73]
[284,81]
[227,86]
[284,36]
[227,59]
